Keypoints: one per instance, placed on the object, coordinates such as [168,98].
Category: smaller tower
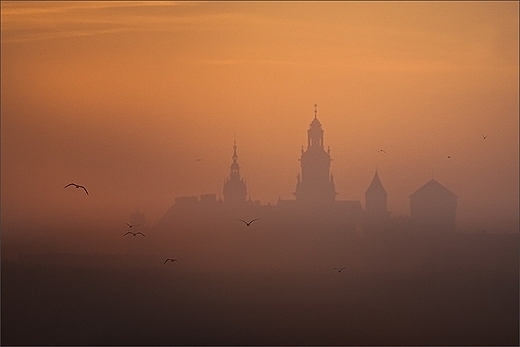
[376,216]
[235,191]
[376,199]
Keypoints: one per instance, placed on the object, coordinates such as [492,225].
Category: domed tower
[235,187]
[316,184]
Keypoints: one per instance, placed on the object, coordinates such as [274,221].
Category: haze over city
[142,103]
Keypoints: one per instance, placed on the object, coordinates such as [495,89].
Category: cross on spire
[235,156]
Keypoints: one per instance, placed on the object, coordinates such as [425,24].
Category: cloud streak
[46,21]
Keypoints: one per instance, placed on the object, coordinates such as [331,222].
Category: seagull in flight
[248,223]
[132,225]
[339,270]
[484,136]
[135,234]
[172,260]
[77,186]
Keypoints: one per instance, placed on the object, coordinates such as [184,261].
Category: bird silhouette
[248,223]
[484,136]
[132,225]
[339,270]
[449,156]
[172,260]
[135,234]
[382,150]
[77,186]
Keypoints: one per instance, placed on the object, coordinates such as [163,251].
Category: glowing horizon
[123,97]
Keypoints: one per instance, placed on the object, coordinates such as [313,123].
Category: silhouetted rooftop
[433,188]
[315,123]
[376,187]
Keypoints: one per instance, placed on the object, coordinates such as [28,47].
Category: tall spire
[235,156]
[235,187]
[376,187]
[315,111]
[376,198]
[235,168]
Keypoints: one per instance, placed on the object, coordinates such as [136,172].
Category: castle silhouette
[432,206]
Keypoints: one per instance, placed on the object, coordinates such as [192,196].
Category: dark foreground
[436,304]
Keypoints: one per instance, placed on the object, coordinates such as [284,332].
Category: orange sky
[123,97]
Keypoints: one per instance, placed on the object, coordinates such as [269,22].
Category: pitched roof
[315,123]
[376,187]
[433,188]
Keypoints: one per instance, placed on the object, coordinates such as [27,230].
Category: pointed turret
[376,198]
[315,132]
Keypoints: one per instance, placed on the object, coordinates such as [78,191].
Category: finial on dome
[315,111]
[235,156]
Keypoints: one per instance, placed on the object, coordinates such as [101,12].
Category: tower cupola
[315,132]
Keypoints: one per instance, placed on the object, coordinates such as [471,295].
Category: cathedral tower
[234,187]
[315,185]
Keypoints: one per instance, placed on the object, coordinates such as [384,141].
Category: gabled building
[433,208]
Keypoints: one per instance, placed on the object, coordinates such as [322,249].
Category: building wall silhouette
[433,208]
[376,199]
[376,217]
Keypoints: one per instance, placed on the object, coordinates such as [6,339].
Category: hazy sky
[124,97]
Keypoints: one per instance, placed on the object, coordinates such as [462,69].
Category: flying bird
[382,150]
[172,260]
[132,225]
[484,136]
[339,270]
[135,234]
[248,223]
[449,156]
[77,186]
